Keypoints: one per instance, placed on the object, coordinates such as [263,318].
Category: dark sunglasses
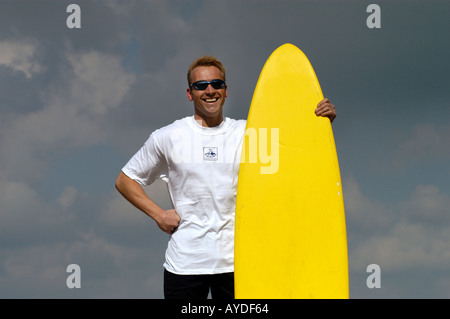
[202,85]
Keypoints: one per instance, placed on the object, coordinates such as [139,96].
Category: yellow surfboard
[290,234]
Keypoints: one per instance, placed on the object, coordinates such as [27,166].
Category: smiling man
[198,157]
[208,90]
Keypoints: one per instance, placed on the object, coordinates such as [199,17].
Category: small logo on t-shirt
[210,154]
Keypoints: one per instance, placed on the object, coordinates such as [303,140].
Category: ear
[189,94]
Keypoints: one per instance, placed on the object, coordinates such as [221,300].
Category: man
[198,157]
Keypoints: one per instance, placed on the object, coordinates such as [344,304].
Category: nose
[210,89]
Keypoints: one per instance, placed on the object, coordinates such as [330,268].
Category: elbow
[119,183]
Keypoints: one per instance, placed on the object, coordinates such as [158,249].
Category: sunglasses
[202,85]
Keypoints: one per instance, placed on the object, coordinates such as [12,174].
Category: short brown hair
[207,60]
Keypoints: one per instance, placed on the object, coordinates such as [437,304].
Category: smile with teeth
[210,100]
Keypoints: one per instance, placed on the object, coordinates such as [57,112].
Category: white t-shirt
[200,166]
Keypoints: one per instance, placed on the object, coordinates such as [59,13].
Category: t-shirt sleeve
[148,164]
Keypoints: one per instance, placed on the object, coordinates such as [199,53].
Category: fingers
[324,106]
[170,221]
[324,101]
[170,230]
[176,219]
[326,109]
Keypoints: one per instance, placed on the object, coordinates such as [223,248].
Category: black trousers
[198,286]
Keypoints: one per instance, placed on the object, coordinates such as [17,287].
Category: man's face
[208,103]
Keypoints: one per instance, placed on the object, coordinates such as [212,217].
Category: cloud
[99,84]
[108,85]
[409,240]
[417,237]
[427,205]
[108,270]
[41,236]
[426,142]
[67,197]
[364,214]
[115,245]
[28,271]
[407,246]
[72,117]
[28,219]
[20,57]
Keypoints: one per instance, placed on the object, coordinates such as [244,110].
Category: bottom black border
[155,308]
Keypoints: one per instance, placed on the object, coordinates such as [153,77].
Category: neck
[209,121]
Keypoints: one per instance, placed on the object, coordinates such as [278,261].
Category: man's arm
[167,220]
[326,109]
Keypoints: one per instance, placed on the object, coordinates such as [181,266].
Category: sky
[77,103]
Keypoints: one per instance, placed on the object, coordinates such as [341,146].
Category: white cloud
[40,238]
[426,141]
[27,218]
[108,270]
[363,213]
[71,118]
[20,56]
[100,82]
[427,205]
[67,197]
[407,246]
[419,236]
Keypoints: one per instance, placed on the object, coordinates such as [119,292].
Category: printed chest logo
[210,154]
